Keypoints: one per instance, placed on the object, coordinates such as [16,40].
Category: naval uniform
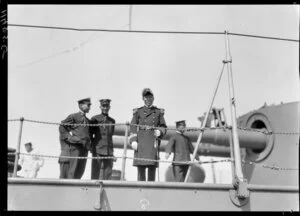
[76,145]
[149,116]
[182,147]
[102,145]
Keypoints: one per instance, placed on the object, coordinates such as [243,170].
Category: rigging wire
[74,48]
[145,31]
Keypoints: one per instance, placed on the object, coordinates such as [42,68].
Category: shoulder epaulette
[162,110]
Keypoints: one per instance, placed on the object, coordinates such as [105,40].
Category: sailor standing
[75,142]
[145,140]
[181,146]
[102,142]
[31,162]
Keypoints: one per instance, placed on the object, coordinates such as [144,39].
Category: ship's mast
[239,182]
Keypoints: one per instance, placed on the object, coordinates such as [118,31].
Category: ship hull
[92,195]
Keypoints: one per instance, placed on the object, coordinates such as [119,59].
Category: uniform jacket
[181,146]
[152,116]
[81,134]
[31,162]
[102,135]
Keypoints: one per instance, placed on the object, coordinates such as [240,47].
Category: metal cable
[69,50]
[144,31]
[12,120]
[263,37]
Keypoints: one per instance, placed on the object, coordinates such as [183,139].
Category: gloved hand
[134,145]
[133,141]
[157,133]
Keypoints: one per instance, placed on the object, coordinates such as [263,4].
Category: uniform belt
[146,128]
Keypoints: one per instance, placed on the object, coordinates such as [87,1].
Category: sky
[50,70]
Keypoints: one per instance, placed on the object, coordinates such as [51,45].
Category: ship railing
[124,157]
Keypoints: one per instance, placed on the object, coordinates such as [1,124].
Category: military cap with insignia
[105,102]
[85,100]
[178,123]
[28,143]
[146,92]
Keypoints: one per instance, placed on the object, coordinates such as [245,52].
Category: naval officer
[75,141]
[102,142]
[145,140]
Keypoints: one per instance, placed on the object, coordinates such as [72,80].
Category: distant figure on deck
[181,146]
[31,163]
[75,141]
[102,142]
[145,140]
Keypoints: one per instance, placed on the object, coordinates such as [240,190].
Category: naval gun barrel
[204,150]
[220,137]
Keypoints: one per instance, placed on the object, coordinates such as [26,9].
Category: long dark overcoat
[152,116]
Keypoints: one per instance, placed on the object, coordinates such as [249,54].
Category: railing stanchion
[124,151]
[18,148]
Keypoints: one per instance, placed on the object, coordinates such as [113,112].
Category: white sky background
[49,70]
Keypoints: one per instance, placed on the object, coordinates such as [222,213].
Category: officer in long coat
[75,141]
[102,143]
[144,139]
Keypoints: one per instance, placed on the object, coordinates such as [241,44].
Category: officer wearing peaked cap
[178,123]
[144,140]
[102,142]
[75,141]
[85,100]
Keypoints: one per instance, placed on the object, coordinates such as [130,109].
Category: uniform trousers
[101,168]
[179,172]
[142,173]
[64,168]
[74,168]
[30,173]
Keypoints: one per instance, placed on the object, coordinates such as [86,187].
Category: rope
[113,157]
[144,31]
[147,127]
[66,124]
[273,167]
